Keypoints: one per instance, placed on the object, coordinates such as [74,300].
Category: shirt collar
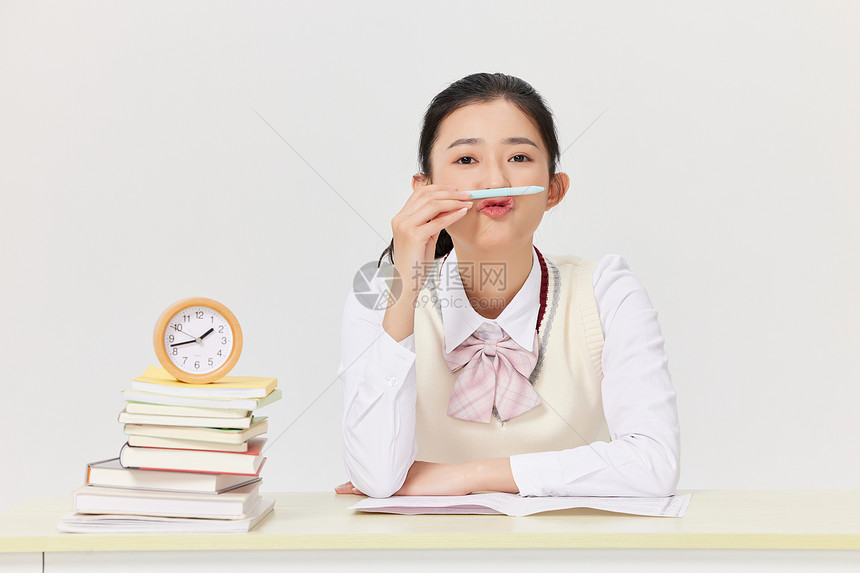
[460,320]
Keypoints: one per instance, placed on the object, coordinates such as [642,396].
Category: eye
[471,160]
[523,160]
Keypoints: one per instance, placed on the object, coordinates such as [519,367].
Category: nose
[494,176]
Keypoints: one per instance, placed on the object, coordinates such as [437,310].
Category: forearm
[491,474]
[399,319]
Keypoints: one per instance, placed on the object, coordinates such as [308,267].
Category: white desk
[807,530]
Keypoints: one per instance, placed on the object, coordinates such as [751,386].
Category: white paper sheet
[515,505]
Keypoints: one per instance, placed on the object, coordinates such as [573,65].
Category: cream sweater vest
[567,376]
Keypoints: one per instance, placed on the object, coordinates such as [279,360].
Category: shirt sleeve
[643,457]
[378,375]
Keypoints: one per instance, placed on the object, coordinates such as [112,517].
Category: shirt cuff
[408,343]
[538,474]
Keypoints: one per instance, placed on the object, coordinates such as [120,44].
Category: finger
[412,229]
[436,209]
[344,488]
[435,225]
[419,199]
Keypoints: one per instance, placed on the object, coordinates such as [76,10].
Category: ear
[419,180]
[558,187]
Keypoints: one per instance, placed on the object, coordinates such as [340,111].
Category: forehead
[492,121]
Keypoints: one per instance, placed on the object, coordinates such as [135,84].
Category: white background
[136,169]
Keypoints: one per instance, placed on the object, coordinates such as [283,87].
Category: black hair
[481,88]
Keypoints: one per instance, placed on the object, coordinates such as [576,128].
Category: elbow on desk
[667,483]
[371,479]
[658,470]
[380,490]
[375,486]
[666,474]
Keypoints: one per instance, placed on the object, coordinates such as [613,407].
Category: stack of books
[192,461]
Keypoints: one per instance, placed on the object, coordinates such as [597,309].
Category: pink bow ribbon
[494,372]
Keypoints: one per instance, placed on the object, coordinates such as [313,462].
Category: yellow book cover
[260,386]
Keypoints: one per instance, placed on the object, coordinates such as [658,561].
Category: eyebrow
[479,140]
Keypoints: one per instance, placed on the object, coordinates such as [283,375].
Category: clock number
[175,351]
[210,362]
[198,314]
[177,327]
[186,318]
[223,340]
[169,338]
[197,364]
[219,353]
[221,329]
[184,359]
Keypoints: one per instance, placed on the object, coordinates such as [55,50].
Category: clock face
[198,339]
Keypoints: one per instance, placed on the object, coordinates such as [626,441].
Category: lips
[497,202]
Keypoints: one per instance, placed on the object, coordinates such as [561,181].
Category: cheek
[534,207]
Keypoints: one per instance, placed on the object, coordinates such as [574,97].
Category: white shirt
[643,458]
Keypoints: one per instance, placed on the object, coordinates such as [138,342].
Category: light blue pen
[505,192]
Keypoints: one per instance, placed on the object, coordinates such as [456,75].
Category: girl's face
[488,145]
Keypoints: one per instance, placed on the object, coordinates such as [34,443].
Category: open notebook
[515,505]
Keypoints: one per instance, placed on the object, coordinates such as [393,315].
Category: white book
[190,411]
[110,473]
[108,524]
[151,442]
[235,504]
[222,436]
[232,403]
[235,423]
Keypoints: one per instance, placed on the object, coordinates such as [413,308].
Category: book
[155,379]
[153,419]
[110,473]
[244,463]
[231,403]
[516,505]
[150,442]
[224,436]
[107,524]
[189,411]
[235,504]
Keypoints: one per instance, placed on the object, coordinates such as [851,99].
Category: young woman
[496,367]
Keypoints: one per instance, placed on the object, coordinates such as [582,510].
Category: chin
[487,241]
[495,235]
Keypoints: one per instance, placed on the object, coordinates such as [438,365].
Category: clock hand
[196,339]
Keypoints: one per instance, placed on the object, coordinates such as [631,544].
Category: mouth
[496,206]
